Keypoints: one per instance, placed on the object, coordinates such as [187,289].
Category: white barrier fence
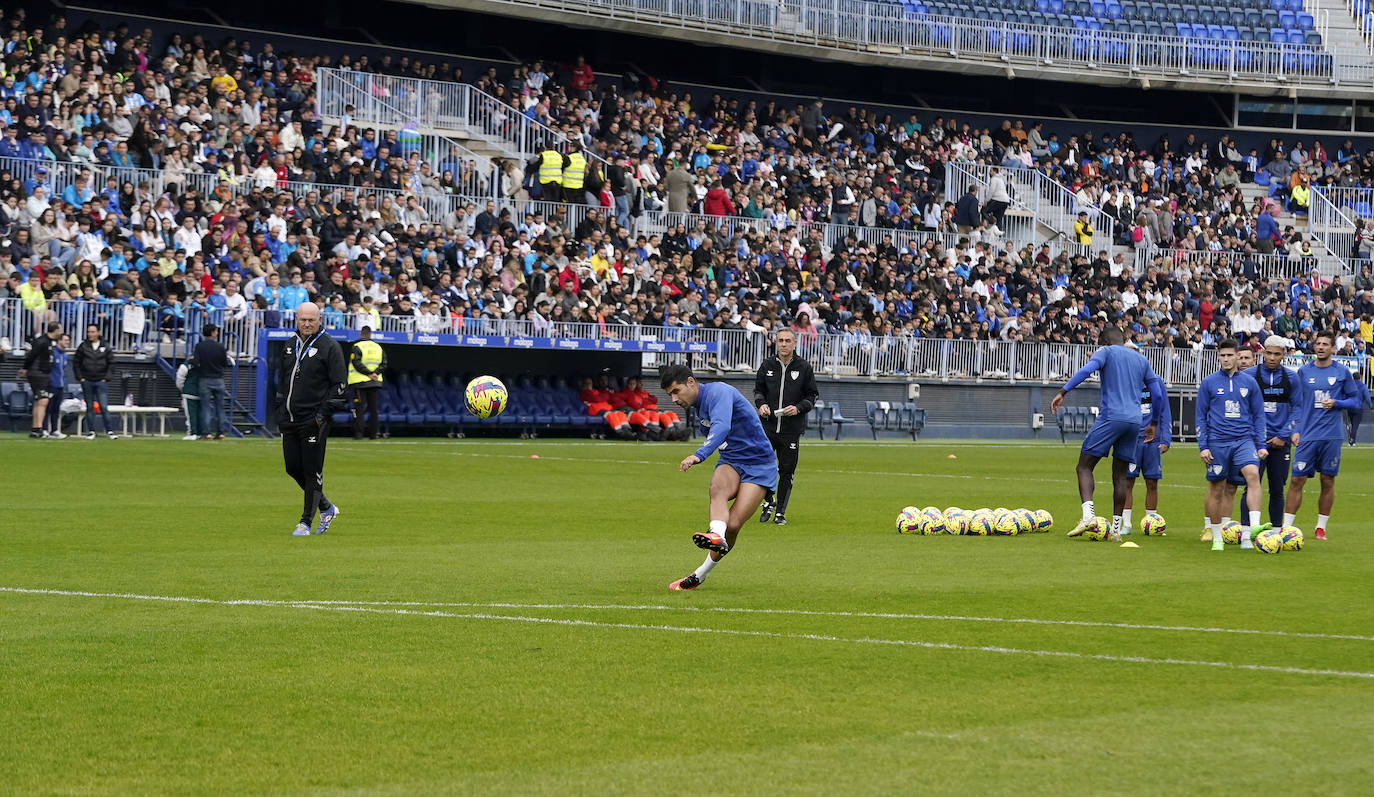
[1273,267]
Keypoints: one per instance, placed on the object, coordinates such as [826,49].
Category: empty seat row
[1055,12]
[894,416]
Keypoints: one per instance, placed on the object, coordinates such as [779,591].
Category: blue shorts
[764,474]
[1317,456]
[1229,458]
[1147,462]
[1122,438]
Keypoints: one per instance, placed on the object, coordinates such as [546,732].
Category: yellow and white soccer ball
[909,520]
[1153,525]
[1099,530]
[1044,521]
[1269,541]
[1292,538]
[1025,521]
[1230,532]
[956,520]
[486,397]
[933,521]
[981,523]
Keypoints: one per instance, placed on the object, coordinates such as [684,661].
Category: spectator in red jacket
[582,75]
[634,396]
[597,399]
[717,202]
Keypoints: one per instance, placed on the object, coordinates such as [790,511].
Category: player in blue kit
[746,469]
[1327,388]
[1356,416]
[1124,374]
[1149,456]
[1278,385]
[1230,440]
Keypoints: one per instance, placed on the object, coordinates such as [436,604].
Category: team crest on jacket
[1331,380]
[770,373]
[796,374]
[312,351]
[1244,392]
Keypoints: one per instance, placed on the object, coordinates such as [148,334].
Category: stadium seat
[1313,38]
[1296,37]
[876,414]
[1229,33]
[1287,20]
[18,404]
[1278,35]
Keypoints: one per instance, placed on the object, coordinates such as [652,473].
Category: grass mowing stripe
[915,643]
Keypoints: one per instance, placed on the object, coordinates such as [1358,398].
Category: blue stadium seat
[1252,18]
[1214,32]
[1229,33]
[1138,28]
[1175,13]
[1269,18]
[1313,38]
[1296,37]
[1183,29]
[1278,35]
[1190,14]
[1287,20]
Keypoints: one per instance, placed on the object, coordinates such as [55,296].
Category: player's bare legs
[1084,470]
[731,503]
[1252,521]
[1121,486]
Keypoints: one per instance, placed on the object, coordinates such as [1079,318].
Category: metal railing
[1049,203]
[847,26]
[1271,266]
[395,101]
[1332,214]
[387,103]
[1363,13]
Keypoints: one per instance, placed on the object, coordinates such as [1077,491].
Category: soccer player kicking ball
[1327,387]
[1125,374]
[1230,439]
[745,471]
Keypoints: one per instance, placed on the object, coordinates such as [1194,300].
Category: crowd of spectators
[364,242]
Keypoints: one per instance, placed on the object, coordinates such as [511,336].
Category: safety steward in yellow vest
[365,368]
[550,165]
[574,175]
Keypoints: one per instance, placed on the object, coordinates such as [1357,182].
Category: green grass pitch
[483,622]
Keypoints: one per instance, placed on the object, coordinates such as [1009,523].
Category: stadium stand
[150,186]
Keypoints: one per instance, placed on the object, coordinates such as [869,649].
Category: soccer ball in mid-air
[1269,541]
[1230,532]
[1153,525]
[1098,531]
[956,520]
[1044,521]
[933,521]
[981,523]
[486,397]
[1003,522]
[1292,538]
[909,521]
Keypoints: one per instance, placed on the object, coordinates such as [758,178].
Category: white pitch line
[914,643]
[648,607]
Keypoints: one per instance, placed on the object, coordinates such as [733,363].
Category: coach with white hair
[311,378]
[1277,385]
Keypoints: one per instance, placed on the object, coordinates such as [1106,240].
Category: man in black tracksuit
[310,389]
[38,368]
[784,391]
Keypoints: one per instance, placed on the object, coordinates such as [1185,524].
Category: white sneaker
[5,344]
[57,435]
[112,435]
[1246,544]
[191,437]
[1083,525]
[89,435]
[302,530]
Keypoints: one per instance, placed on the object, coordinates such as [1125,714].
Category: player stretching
[1148,460]
[1230,439]
[745,471]
[1124,375]
[1327,388]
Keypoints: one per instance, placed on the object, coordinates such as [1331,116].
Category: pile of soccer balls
[999,522]
[1152,525]
[1288,538]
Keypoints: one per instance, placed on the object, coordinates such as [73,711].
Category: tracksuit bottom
[303,449]
[785,446]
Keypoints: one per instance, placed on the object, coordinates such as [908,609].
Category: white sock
[1206,522]
[1125,518]
[718,527]
[1116,524]
[706,567]
[1255,519]
[1288,518]
[1322,520]
[1087,510]
[1244,533]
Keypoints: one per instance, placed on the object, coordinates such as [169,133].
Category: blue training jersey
[1279,393]
[1317,383]
[1156,412]
[1229,410]
[731,425]
[1125,373]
